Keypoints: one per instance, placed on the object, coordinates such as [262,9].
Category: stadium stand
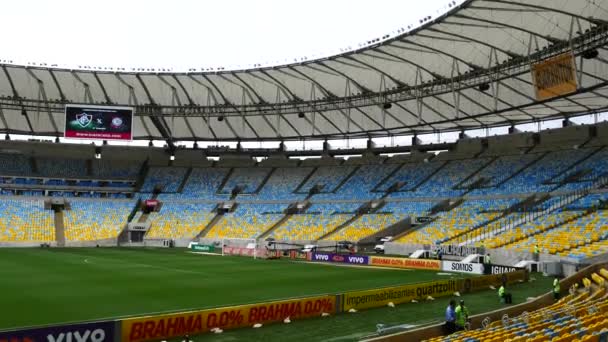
[328,176]
[283,182]
[248,179]
[247,221]
[61,167]
[23,220]
[363,226]
[14,164]
[103,168]
[452,174]
[320,219]
[167,178]
[361,184]
[96,220]
[178,220]
[203,183]
[580,316]
[449,224]
[411,174]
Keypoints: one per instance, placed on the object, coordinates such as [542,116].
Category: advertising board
[421,264]
[340,258]
[399,294]
[191,323]
[85,332]
[202,248]
[462,267]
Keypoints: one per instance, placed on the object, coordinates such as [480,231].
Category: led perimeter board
[98,122]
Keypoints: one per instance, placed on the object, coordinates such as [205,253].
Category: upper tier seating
[283,182]
[14,164]
[329,176]
[58,167]
[25,221]
[167,178]
[551,165]
[247,178]
[411,174]
[361,184]
[103,168]
[202,183]
[180,220]
[247,221]
[448,177]
[96,220]
[500,169]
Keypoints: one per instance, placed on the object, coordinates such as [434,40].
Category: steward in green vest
[556,289]
[462,316]
[504,296]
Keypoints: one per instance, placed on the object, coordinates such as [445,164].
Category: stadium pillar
[415,141]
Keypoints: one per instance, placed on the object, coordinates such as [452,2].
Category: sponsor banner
[554,77]
[462,267]
[274,254]
[98,122]
[422,264]
[484,282]
[423,219]
[87,332]
[500,269]
[151,203]
[297,255]
[461,251]
[340,258]
[399,294]
[203,248]
[243,251]
[191,323]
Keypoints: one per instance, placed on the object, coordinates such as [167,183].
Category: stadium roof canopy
[468,69]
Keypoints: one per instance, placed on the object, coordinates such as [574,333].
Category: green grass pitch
[44,286]
[47,286]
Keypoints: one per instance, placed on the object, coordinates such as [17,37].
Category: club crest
[84,119]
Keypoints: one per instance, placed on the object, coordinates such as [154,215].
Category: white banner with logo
[463,267]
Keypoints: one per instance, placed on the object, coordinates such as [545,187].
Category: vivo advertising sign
[339,258]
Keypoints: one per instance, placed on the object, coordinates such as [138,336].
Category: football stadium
[446,180]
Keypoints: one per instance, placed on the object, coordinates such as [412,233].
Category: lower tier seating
[180,220]
[96,220]
[247,221]
[579,316]
[25,221]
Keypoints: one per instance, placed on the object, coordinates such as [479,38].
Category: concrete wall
[509,144]
[563,137]
[101,243]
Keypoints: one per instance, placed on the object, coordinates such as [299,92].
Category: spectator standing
[450,317]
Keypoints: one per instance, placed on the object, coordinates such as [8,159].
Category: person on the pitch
[462,316]
[504,296]
[556,289]
[450,317]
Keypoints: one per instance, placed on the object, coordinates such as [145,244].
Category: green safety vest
[501,291]
[536,250]
[462,313]
[556,287]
